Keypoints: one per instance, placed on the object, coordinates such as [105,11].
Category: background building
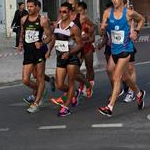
[50,7]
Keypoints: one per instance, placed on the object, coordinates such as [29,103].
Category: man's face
[64,13]
[32,9]
[22,6]
[117,3]
[80,10]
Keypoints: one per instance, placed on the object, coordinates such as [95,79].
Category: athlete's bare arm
[20,47]
[138,18]
[47,30]
[76,34]
[103,26]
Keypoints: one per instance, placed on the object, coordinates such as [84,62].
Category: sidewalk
[11,62]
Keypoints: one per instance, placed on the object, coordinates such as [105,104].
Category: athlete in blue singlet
[118,20]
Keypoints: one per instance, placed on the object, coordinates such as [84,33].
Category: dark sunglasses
[63,12]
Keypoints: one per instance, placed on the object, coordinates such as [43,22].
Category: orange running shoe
[89,92]
[58,101]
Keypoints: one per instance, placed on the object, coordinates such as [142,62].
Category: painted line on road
[142,63]
[148,117]
[112,125]
[52,127]
[18,104]
[10,86]
[4,129]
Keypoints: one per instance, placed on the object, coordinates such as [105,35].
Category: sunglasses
[63,12]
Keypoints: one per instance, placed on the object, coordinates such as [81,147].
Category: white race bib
[117,37]
[31,36]
[62,46]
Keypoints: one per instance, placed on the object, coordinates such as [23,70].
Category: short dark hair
[68,5]
[39,4]
[83,5]
[20,3]
[33,1]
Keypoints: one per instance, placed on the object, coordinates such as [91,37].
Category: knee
[26,81]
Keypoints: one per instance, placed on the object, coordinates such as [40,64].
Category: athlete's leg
[60,79]
[88,57]
[120,68]
[40,69]
[110,69]
[26,74]
[72,71]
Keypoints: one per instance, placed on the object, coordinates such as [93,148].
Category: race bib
[117,37]
[62,46]
[31,36]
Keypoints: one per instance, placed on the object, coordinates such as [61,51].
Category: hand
[133,35]
[101,43]
[20,47]
[65,55]
[47,55]
[38,45]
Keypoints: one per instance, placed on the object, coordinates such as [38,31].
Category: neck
[119,8]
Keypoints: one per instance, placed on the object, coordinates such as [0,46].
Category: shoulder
[23,19]
[75,29]
[108,11]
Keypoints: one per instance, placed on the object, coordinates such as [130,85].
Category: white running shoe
[129,97]
[33,108]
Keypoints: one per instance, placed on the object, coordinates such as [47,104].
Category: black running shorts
[63,63]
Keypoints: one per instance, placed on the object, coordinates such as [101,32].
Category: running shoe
[89,92]
[105,111]
[58,101]
[140,100]
[64,112]
[52,84]
[81,87]
[129,97]
[33,108]
[30,99]
[75,99]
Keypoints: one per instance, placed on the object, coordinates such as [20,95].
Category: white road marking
[148,117]
[7,86]
[52,127]
[115,125]
[18,104]
[4,129]
[142,63]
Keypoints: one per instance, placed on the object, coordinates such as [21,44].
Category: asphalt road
[85,128]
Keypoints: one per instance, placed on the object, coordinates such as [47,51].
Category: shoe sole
[65,115]
[103,113]
[129,101]
[27,102]
[143,101]
[54,102]
[32,111]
